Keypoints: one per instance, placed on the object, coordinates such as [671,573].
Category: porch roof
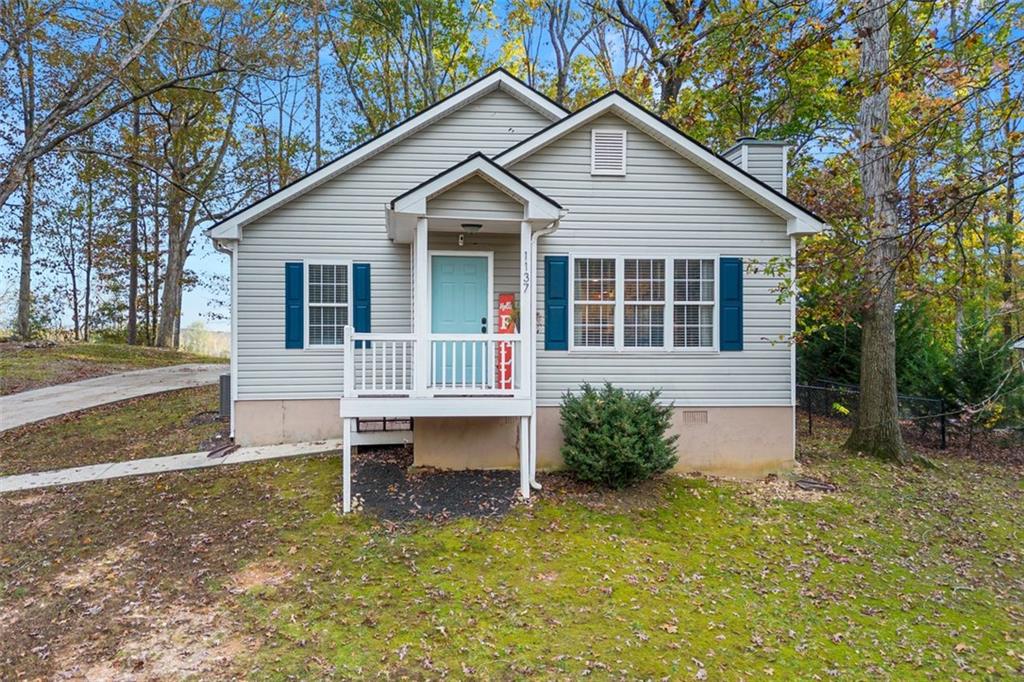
[406,208]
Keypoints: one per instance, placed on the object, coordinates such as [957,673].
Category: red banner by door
[506,325]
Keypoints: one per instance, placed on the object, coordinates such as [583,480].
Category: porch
[472,232]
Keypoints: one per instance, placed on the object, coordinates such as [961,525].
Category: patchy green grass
[904,573]
[162,424]
[22,368]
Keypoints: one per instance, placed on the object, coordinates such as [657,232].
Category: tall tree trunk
[169,309]
[133,239]
[876,430]
[90,236]
[154,308]
[25,274]
[27,76]
[75,318]
[317,88]
[1010,238]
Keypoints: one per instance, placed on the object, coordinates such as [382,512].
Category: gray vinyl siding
[475,198]
[344,219]
[764,162]
[664,206]
[734,156]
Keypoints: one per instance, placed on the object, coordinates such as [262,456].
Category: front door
[459,305]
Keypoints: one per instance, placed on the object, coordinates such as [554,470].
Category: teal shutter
[293,317]
[556,303]
[730,304]
[361,299]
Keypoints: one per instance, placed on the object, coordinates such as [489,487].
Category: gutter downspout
[532,345]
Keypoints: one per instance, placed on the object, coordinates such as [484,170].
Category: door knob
[483,325]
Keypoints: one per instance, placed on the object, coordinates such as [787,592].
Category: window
[641,302]
[607,151]
[594,302]
[644,303]
[693,323]
[327,299]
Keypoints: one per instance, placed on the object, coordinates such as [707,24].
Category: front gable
[475,198]
[798,219]
[489,115]
[662,195]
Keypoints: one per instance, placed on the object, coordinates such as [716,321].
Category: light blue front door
[459,305]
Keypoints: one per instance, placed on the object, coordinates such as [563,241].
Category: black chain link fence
[924,420]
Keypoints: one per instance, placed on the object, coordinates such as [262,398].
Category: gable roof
[799,219]
[475,164]
[230,227]
[538,207]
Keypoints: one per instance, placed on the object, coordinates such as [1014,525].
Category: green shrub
[614,437]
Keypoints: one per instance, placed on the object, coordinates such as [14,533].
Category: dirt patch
[120,581]
[26,500]
[174,644]
[776,489]
[97,571]
[258,574]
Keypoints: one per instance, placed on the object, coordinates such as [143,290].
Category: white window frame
[305,301]
[715,321]
[620,291]
[664,302]
[614,305]
[623,133]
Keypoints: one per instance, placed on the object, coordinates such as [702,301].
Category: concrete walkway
[161,465]
[32,406]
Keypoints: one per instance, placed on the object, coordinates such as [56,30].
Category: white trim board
[231,228]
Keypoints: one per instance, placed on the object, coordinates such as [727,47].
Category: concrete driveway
[32,406]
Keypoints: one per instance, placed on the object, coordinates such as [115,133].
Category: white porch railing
[384,364]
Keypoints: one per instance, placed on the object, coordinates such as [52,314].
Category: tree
[90,54]
[565,28]
[876,429]
[72,111]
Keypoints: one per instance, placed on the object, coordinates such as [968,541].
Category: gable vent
[607,152]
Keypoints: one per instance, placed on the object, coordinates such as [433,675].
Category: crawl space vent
[695,416]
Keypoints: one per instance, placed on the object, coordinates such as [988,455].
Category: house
[467,267]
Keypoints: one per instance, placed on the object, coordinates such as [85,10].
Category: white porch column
[527,320]
[421,313]
[346,463]
[524,457]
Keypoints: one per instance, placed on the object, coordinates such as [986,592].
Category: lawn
[252,572]
[163,424]
[22,369]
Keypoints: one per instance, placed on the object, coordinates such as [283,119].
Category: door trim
[489,255]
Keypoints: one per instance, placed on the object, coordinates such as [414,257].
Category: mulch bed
[386,487]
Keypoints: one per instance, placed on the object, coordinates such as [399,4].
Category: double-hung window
[643,283]
[327,298]
[694,303]
[594,302]
[642,302]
